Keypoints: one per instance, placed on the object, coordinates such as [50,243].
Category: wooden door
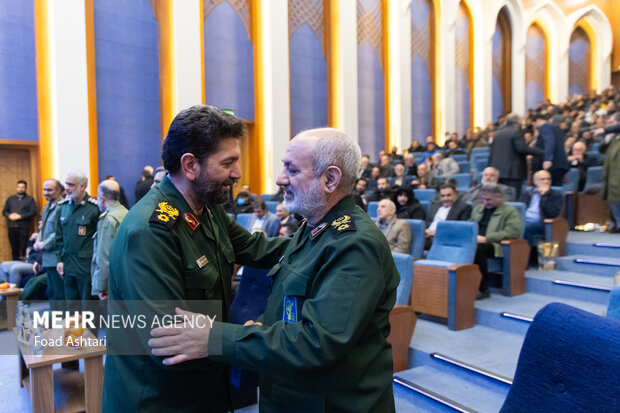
[15,164]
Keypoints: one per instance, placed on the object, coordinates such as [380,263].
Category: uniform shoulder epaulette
[93,201]
[165,214]
[64,201]
[343,224]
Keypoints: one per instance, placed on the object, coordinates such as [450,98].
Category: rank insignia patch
[165,214]
[202,261]
[342,224]
[191,221]
[82,230]
[316,231]
[289,309]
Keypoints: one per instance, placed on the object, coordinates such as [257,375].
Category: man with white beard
[321,344]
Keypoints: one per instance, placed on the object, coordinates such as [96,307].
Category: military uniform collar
[83,201]
[337,218]
[173,195]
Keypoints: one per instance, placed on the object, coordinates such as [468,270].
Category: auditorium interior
[93,86]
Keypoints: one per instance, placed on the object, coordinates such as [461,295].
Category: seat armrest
[402,324]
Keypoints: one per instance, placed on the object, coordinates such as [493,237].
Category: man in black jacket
[449,209]
[508,154]
[19,210]
[542,203]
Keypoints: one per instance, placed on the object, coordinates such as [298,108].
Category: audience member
[19,210]
[490,175]
[52,192]
[366,167]
[422,179]
[263,220]
[160,172]
[453,149]
[407,206]
[551,140]
[497,222]
[542,202]
[144,184]
[396,231]
[359,193]
[415,147]
[410,166]
[110,220]
[15,271]
[243,203]
[385,163]
[582,161]
[450,208]
[399,176]
[383,190]
[431,148]
[508,155]
[284,216]
[441,168]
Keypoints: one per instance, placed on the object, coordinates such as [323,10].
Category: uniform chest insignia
[165,214]
[191,221]
[342,224]
[202,261]
[289,309]
[318,230]
[82,230]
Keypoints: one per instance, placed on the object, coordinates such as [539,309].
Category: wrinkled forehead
[299,151]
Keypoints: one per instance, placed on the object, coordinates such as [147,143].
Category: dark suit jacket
[551,140]
[550,203]
[460,211]
[508,152]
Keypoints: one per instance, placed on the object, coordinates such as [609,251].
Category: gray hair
[339,150]
[492,189]
[391,205]
[79,176]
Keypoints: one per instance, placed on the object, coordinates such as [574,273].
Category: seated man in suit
[397,231]
[449,208]
[490,175]
[497,221]
[383,190]
[542,202]
[582,161]
[264,220]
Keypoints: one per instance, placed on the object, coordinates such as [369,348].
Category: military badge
[316,231]
[202,261]
[289,310]
[82,230]
[342,224]
[165,214]
[191,221]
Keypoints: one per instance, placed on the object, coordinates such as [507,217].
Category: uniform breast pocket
[294,287]
[200,283]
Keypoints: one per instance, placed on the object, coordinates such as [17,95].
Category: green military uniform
[49,259]
[505,223]
[108,224]
[323,347]
[35,289]
[74,244]
[163,251]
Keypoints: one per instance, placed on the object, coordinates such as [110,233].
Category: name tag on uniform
[82,230]
[202,261]
[289,312]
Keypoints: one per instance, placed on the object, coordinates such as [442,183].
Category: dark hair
[198,130]
[243,194]
[21,181]
[145,173]
[407,191]
[291,227]
[109,177]
[446,186]
[262,204]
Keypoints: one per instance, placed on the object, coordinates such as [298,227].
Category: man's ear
[332,175]
[190,166]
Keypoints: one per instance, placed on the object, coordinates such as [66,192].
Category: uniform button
[210,294]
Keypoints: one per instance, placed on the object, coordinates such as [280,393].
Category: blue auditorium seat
[459,157]
[479,163]
[243,219]
[402,316]
[480,151]
[404,265]
[372,209]
[569,362]
[418,227]
[424,194]
[463,181]
[254,197]
[426,205]
[613,308]
[271,206]
[417,157]
[446,282]
[464,166]
[594,176]
[572,180]
[266,197]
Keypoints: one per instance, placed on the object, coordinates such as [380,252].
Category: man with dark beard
[178,244]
